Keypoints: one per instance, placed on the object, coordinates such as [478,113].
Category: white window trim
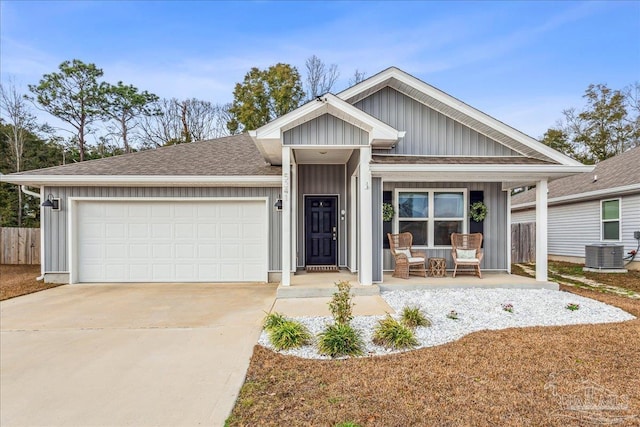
[431,219]
[602,221]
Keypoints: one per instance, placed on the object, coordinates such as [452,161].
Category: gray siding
[326,130]
[376,208]
[428,131]
[352,200]
[573,226]
[55,223]
[495,225]
[319,180]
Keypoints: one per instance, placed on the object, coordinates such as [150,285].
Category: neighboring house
[306,189]
[599,207]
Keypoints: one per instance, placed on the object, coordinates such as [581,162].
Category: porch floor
[309,285]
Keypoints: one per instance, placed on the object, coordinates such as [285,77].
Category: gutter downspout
[25,190]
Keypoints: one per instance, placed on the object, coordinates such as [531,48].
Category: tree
[320,79]
[265,95]
[603,129]
[357,77]
[125,105]
[73,95]
[20,125]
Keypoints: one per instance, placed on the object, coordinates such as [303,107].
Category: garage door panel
[165,241]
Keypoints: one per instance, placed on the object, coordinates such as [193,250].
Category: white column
[509,243]
[365,218]
[541,231]
[294,213]
[286,217]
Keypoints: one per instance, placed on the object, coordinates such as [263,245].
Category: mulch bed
[519,377]
[16,280]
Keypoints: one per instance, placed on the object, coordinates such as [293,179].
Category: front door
[321,230]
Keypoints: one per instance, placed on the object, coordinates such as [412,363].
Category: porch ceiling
[324,156]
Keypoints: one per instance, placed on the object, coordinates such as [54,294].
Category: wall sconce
[278,205]
[52,203]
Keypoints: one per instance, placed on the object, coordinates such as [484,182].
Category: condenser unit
[603,256]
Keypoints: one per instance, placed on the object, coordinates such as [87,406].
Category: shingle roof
[457,160]
[229,156]
[619,171]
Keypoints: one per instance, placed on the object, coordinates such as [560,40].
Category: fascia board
[460,106]
[145,180]
[525,169]
[584,196]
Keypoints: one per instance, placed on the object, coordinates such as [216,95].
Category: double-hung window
[610,219]
[431,215]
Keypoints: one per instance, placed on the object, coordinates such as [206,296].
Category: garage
[169,240]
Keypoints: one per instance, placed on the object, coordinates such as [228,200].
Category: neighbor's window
[431,215]
[610,214]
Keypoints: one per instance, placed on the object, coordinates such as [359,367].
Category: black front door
[321,229]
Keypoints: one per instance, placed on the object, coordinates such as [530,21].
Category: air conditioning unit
[603,256]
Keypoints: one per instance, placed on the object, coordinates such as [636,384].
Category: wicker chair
[472,255]
[407,260]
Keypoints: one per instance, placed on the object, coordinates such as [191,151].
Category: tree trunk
[185,125]
[125,141]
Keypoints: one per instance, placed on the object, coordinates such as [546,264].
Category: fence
[523,242]
[19,245]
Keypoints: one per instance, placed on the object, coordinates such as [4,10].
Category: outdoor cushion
[466,253]
[405,252]
[467,260]
[416,259]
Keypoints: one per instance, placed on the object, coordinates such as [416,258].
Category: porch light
[278,204]
[51,203]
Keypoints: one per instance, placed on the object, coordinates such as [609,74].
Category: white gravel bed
[477,309]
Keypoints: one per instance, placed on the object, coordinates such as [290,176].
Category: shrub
[341,306]
[340,339]
[412,317]
[272,320]
[392,334]
[572,306]
[289,334]
[453,315]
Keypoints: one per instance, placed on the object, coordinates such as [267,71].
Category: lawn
[521,376]
[16,280]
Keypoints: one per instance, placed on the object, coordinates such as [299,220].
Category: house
[599,207]
[307,189]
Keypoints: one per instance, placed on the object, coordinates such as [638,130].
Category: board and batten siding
[495,225]
[573,226]
[428,132]
[326,130]
[55,222]
[319,180]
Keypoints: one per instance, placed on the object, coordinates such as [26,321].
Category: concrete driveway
[128,354]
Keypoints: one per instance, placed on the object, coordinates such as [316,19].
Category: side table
[437,267]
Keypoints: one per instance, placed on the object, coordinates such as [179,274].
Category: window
[431,215]
[610,219]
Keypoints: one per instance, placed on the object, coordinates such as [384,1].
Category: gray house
[304,190]
[599,207]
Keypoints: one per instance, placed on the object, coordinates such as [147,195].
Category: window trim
[431,219]
[619,219]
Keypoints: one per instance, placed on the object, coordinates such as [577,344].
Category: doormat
[322,268]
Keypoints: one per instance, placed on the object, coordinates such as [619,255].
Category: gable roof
[457,110]
[233,156]
[268,137]
[616,175]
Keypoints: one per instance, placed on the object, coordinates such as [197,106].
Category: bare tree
[320,78]
[357,77]
[21,123]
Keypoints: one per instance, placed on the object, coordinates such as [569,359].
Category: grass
[390,333]
[511,377]
[16,280]
[412,317]
[340,339]
[289,334]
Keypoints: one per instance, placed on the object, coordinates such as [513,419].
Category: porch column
[294,213]
[541,230]
[286,217]
[365,218]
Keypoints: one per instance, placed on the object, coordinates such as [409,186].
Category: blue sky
[521,62]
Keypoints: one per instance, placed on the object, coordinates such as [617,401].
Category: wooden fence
[19,245]
[523,242]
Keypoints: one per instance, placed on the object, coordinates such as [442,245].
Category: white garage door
[171,241]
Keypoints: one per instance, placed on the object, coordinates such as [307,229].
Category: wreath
[478,211]
[387,212]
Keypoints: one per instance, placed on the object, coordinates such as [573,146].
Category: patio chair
[408,261]
[467,252]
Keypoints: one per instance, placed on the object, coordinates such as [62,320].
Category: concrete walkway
[128,355]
